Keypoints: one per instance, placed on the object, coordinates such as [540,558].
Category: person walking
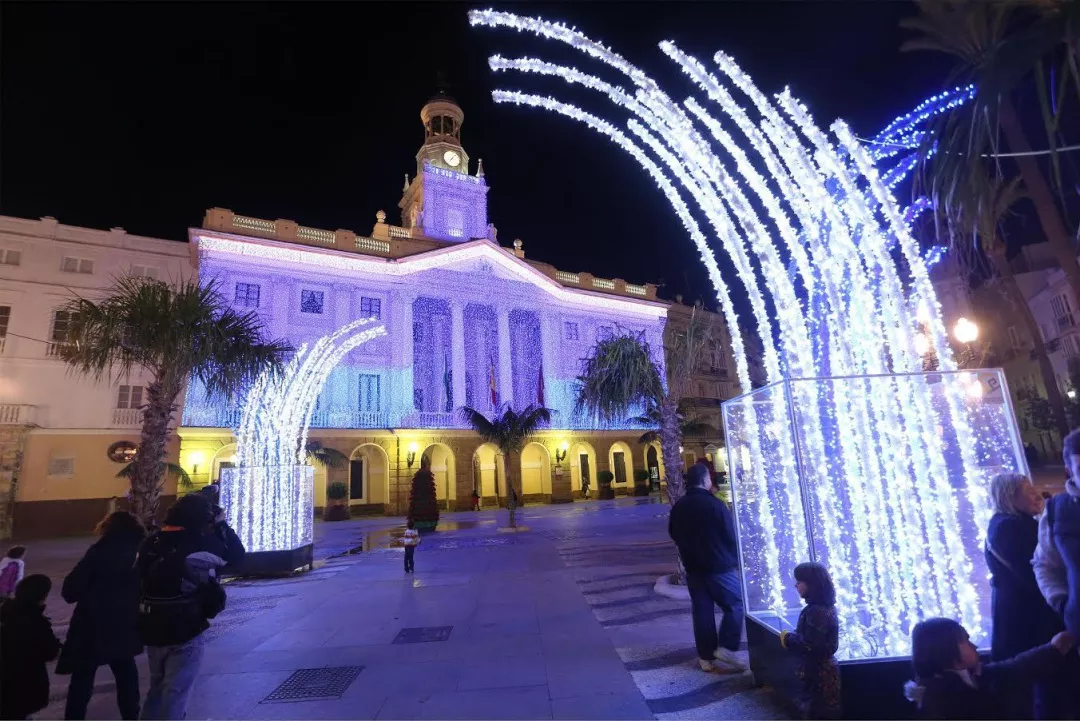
[27,644]
[12,570]
[703,530]
[585,487]
[1022,619]
[410,540]
[178,567]
[104,587]
[816,638]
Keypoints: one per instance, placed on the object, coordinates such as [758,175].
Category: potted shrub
[604,478]
[641,482]
[337,502]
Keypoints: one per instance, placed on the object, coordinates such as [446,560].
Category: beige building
[56,429]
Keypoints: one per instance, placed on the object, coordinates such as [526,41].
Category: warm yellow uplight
[565,446]
[412,447]
[965,331]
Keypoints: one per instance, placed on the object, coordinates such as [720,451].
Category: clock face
[452,158]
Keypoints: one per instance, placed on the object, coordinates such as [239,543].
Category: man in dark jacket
[702,528]
[178,566]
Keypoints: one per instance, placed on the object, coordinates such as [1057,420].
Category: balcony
[349,419]
[127,417]
[52,349]
[16,414]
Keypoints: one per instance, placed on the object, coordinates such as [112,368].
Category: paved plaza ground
[559,622]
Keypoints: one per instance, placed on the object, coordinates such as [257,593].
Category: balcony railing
[52,349]
[349,419]
[127,417]
[16,414]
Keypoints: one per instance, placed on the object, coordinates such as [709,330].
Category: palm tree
[173,332]
[620,374]
[999,46]
[327,457]
[690,423]
[167,469]
[508,431]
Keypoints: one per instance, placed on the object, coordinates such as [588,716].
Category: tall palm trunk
[1061,242]
[1046,367]
[670,438]
[146,479]
[511,491]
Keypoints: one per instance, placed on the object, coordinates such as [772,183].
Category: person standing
[27,644]
[410,540]
[178,568]
[704,532]
[1057,553]
[12,570]
[105,590]
[1022,619]
[816,638]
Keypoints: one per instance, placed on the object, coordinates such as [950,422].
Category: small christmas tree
[423,506]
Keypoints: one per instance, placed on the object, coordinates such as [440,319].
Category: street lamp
[965,331]
[411,457]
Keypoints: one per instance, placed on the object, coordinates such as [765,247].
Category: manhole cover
[309,683]
[423,634]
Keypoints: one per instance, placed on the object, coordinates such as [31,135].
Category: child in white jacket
[12,570]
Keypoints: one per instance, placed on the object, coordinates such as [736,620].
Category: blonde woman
[1022,618]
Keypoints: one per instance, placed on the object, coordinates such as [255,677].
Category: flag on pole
[491,379]
[448,383]
[540,386]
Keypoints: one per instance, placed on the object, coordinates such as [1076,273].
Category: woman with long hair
[104,587]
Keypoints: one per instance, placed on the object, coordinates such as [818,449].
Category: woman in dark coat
[105,588]
[1022,619]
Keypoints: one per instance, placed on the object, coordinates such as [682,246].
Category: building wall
[66,422]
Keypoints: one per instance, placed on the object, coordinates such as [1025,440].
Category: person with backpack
[27,644]
[105,590]
[178,566]
[12,570]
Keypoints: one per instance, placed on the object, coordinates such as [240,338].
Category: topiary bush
[337,502]
[423,505]
[337,491]
[604,478]
[641,482]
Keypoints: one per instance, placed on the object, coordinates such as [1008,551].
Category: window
[129,397]
[1062,310]
[417,333]
[144,271]
[247,295]
[311,301]
[455,223]
[1072,348]
[10,257]
[5,317]
[603,332]
[369,393]
[58,334]
[571,331]
[1014,338]
[76,265]
[371,308]
[61,466]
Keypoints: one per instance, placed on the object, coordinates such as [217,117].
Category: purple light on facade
[455,205]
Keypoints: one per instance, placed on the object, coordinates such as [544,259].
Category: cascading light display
[851,455]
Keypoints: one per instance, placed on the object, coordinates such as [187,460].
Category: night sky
[143,115]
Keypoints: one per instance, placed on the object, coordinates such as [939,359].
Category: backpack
[8,578]
[169,613]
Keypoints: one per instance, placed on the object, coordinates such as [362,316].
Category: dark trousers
[127,689]
[409,552]
[708,590]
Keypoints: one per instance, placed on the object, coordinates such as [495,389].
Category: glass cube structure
[884,479]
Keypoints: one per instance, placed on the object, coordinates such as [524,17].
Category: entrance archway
[535,470]
[486,475]
[225,457]
[440,461]
[654,465]
[621,463]
[369,475]
[582,460]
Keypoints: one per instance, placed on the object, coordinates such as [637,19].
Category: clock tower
[443,200]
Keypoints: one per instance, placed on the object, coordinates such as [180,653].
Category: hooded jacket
[1057,555]
[27,643]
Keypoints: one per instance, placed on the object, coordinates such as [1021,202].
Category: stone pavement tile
[601,707]
[570,675]
[506,672]
[508,623]
[365,633]
[575,641]
[358,706]
[231,695]
[304,638]
[464,647]
[284,660]
[527,703]
[406,679]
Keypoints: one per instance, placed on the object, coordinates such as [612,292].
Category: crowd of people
[1033,554]
[131,592]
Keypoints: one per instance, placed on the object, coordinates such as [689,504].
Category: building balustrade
[127,417]
[16,414]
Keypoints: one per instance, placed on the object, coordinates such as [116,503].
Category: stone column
[506,366]
[401,331]
[549,345]
[457,344]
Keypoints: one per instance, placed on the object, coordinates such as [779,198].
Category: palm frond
[325,456]
[619,373]
[169,468]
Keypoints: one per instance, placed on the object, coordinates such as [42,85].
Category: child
[12,570]
[815,639]
[411,540]
[27,643]
[476,499]
[951,683]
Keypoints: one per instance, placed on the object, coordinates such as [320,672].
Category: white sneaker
[714,667]
[729,659]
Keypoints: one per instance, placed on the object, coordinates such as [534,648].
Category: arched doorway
[225,457]
[654,466]
[369,475]
[621,463]
[440,460]
[486,474]
[535,472]
[582,460]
